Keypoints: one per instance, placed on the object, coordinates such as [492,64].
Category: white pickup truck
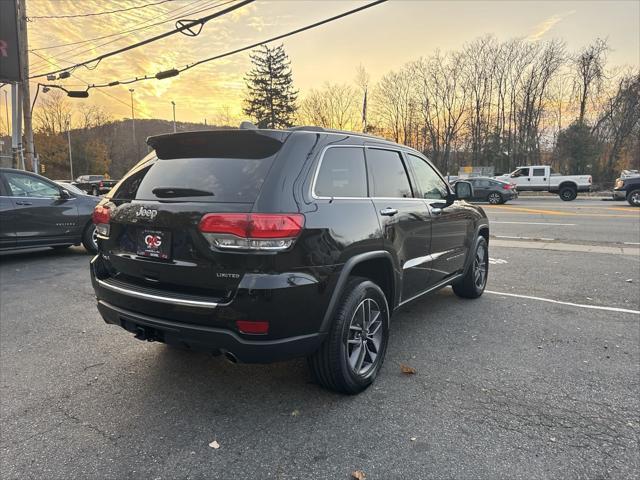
[540,178]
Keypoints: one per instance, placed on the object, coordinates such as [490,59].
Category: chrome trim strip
[414,262]
[427,258]
[158,298]
[435,287]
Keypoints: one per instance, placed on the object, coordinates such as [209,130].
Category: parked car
[36,212]
[492,190]
[628,189]
[94,184]
[266,245]
[540,178]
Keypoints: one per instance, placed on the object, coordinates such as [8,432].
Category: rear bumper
[619,195]
[293,304]
[217,340]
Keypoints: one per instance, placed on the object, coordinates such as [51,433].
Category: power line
[68,44]
[85,82]
[123,35]
[175,71]
[186,26]
[46,17]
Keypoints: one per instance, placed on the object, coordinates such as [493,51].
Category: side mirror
[463,190]
[65,195]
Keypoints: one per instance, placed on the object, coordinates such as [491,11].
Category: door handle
[23,203]
[388,212]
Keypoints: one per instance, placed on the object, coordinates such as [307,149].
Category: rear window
[233,180]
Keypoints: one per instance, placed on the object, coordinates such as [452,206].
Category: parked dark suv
[265,245]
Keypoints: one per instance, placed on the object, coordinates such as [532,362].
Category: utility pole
[26,96]
[174,115]
[16,125]
[69,141]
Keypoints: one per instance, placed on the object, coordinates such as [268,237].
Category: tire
[473,283]
[94,191]
[89,239]
[495,198]
[633,197]
[568,193]
[345,362]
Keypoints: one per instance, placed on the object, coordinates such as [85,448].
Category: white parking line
[631,243]
[579,305]
[539,223]
[525,238]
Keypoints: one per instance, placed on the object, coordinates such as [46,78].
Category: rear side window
[387,175]
[229,180]
[342,173]
[538,172]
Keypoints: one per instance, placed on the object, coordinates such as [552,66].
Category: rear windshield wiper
[169,192]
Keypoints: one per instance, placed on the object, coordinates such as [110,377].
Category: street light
[174,115]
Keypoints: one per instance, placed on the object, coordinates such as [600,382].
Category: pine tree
[271,98]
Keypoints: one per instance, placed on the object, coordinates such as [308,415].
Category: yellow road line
[531,211]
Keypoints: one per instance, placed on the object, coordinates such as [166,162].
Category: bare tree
[332,106]
[589,67]
[52,114]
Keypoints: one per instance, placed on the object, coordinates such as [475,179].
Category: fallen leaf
[553,439]
[358,475]
[295,413]
[413,439]
[406,369]
[215,445]
[629,280]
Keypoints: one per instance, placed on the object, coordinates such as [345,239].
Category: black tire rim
[568,194]
[480,267]
[635,198]
[494,198]
[364,340]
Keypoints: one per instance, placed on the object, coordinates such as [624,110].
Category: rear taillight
[507,186]
[251,231]
[101,184]
[101,218]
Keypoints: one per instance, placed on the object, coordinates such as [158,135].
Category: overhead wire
[171,12]
[79,15]
[85,82]
[185,27]
[124,34]
[176,71]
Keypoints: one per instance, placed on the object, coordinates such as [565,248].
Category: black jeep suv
[266,245]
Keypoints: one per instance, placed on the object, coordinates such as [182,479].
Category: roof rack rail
[308,128]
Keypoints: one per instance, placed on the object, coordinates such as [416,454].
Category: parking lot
[539,378]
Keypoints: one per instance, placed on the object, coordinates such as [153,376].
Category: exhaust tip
[230,357]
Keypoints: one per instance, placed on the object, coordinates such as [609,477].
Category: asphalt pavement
[539,378]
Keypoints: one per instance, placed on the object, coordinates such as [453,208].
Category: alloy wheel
[635,198]
[480,267]
[94,237]
[364,338]
[494,198]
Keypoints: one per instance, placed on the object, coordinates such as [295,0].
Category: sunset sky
[381,39]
